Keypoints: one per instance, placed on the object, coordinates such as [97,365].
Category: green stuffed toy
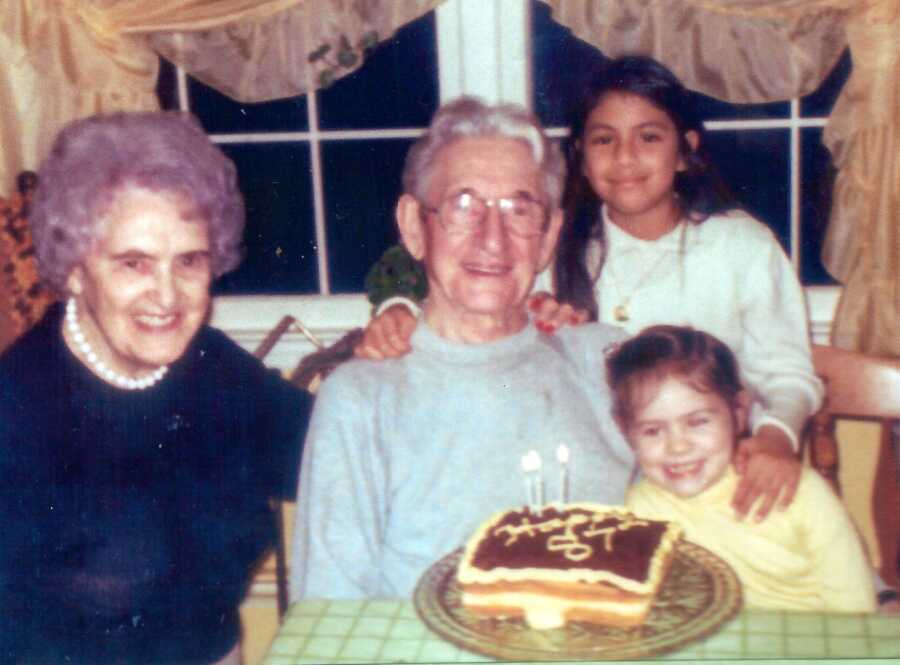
[396,273]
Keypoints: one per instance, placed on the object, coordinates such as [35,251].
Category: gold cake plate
[699,594]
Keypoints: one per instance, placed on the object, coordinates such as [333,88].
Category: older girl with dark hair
[694,185]
[140,447]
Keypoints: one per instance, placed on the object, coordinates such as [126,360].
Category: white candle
[527,469]
[539,483]
[531,465]
[562,456]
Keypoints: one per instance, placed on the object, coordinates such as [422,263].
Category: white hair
[468,117]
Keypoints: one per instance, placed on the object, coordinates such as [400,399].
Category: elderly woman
[405,457]
[139,447]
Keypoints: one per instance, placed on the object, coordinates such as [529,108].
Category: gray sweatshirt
[406,457]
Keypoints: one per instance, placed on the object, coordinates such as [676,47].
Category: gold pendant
[621,313]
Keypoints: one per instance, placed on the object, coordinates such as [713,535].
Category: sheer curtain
[64,59]
[766,50]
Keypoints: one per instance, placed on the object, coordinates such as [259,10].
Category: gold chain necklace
[620,311]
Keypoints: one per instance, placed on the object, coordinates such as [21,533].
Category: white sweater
[729,277]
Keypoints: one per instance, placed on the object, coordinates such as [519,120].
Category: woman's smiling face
[143,290]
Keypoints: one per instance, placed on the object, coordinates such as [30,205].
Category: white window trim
[483,50]
[248,319]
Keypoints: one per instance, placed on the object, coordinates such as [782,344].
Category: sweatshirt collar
[622,240]
[509,348]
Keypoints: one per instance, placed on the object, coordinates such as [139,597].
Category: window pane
[755,165]
[165,86]
[362,183]
[562,63]
[223,115]
[817,176]
[220,114]
[819,103]
[710,108]
[280,233]
[397,87]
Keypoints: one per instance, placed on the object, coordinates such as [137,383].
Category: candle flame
[562,454]
[531,461]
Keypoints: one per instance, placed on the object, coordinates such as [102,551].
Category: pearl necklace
[110,375]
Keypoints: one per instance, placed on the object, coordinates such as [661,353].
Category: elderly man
[405,457]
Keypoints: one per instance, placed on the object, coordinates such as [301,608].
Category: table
[320,631]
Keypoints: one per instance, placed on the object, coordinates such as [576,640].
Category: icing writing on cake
[569,542]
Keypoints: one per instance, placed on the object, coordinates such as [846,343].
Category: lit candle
[562,456]
[539,483]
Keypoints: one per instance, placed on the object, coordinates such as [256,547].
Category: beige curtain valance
[273,57]
[735,50]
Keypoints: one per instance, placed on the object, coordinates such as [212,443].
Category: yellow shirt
[807,557]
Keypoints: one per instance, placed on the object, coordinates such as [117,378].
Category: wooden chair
[308,374]
[861,386]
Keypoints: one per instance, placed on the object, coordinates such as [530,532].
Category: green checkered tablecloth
[391,632]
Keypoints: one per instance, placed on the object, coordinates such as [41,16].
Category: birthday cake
[556,563]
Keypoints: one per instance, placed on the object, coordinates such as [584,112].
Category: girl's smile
[684,437]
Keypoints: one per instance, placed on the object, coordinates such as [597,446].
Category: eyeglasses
[465,212]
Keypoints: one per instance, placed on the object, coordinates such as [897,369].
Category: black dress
[133,520]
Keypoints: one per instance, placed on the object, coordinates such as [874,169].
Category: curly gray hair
[95,159]
[468,117]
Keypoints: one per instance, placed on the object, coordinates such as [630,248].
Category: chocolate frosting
[571,538]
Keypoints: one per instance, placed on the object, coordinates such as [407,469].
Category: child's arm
[776,361]
[774,353]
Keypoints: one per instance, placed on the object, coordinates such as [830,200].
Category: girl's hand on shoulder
[550,314]
[769,470]
[387,335]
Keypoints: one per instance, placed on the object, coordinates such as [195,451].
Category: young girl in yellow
[679,401]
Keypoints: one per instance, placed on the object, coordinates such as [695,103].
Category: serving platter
[699,594]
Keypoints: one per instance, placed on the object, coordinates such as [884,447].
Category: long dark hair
[701,191]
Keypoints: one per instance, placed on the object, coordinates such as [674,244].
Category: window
[321,173]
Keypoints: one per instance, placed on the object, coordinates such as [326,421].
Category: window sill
[248,319]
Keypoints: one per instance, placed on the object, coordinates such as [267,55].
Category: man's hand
[769,470]
[387,335]
[550,315]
